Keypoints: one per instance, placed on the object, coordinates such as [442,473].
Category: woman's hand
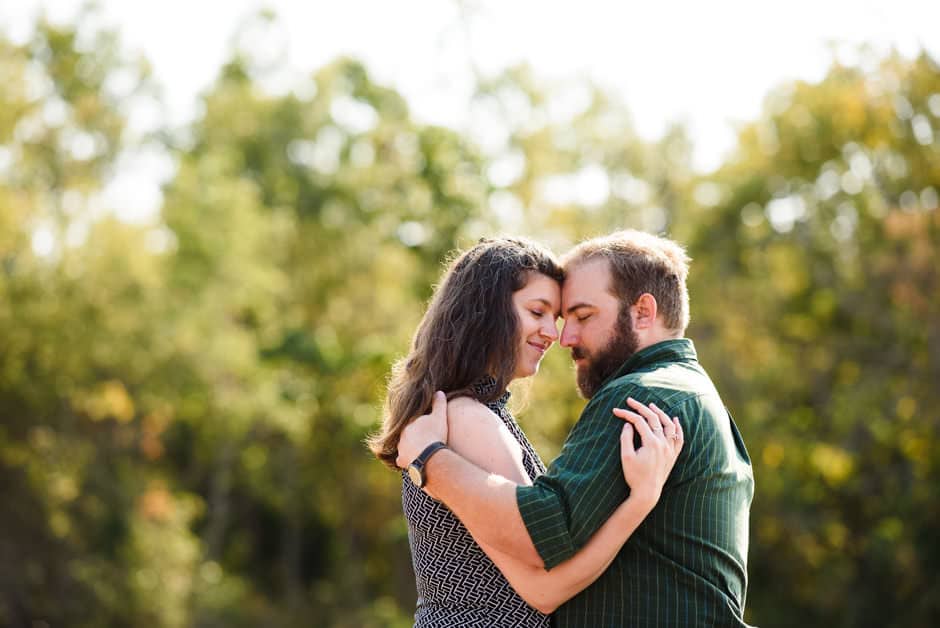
[646,469]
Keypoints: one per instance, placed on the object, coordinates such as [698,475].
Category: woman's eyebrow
[541,300]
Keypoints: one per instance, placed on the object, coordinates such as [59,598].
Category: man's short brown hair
[640,262]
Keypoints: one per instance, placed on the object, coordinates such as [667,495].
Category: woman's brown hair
[469,332]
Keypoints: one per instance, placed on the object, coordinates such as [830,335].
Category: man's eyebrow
[577,306]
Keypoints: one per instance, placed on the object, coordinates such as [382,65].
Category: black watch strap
[416,468]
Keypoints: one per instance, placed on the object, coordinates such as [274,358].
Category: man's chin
[584,384]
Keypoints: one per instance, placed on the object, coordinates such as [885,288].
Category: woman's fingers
[624,414]
[672,430]
[626,441]
[651,417]
[669,428]
[658,422]
[639,424]
[651,422]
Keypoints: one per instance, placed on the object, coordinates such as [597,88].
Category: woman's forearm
[547,590]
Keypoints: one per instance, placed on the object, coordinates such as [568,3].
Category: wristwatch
[416,468]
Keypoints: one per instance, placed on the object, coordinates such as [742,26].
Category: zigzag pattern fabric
[458,585]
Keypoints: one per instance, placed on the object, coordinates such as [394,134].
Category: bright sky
[708,64]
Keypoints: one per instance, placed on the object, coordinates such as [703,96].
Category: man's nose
[568,336]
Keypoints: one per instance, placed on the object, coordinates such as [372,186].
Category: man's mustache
[578,353]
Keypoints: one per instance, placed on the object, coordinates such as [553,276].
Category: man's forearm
[484,502]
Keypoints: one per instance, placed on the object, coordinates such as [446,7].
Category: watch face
[415,474]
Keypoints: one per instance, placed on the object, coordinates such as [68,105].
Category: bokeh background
[186,378]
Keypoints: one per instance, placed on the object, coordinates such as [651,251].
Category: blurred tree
[71,354]
[183,403]
[815,294]
[310,225]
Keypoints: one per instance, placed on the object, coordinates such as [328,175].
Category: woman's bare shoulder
[479,435]
[468,409]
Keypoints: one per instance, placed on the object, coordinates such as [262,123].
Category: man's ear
[644,311]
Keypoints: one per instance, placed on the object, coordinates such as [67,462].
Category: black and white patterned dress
[458,585]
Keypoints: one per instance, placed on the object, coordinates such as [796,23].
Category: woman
[490,321]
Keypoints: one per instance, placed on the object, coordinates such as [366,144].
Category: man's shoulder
[669,384]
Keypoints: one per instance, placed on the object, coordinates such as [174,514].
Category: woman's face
[537,307]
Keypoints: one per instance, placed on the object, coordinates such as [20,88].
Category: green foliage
[183,404]
[820,288]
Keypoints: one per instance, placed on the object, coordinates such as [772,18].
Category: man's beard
[599,367]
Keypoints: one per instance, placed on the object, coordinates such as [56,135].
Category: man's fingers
[439,410]
[439,404]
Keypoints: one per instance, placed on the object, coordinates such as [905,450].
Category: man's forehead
[588,276]
[586,282]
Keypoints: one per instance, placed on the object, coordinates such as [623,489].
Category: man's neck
[655,337]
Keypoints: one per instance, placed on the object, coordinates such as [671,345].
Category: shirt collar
[673,350]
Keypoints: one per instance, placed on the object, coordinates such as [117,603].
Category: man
[625,307]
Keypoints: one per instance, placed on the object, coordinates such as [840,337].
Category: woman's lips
[540,348]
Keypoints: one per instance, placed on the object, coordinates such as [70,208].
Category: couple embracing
[642,519]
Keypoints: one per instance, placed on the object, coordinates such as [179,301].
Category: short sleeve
[583,486]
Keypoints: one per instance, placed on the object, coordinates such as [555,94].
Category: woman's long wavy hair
[470,331]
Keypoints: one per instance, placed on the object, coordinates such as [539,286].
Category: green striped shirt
[686,565]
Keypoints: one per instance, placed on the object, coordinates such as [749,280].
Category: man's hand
[421,432]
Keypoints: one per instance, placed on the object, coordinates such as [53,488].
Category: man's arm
[565,507]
